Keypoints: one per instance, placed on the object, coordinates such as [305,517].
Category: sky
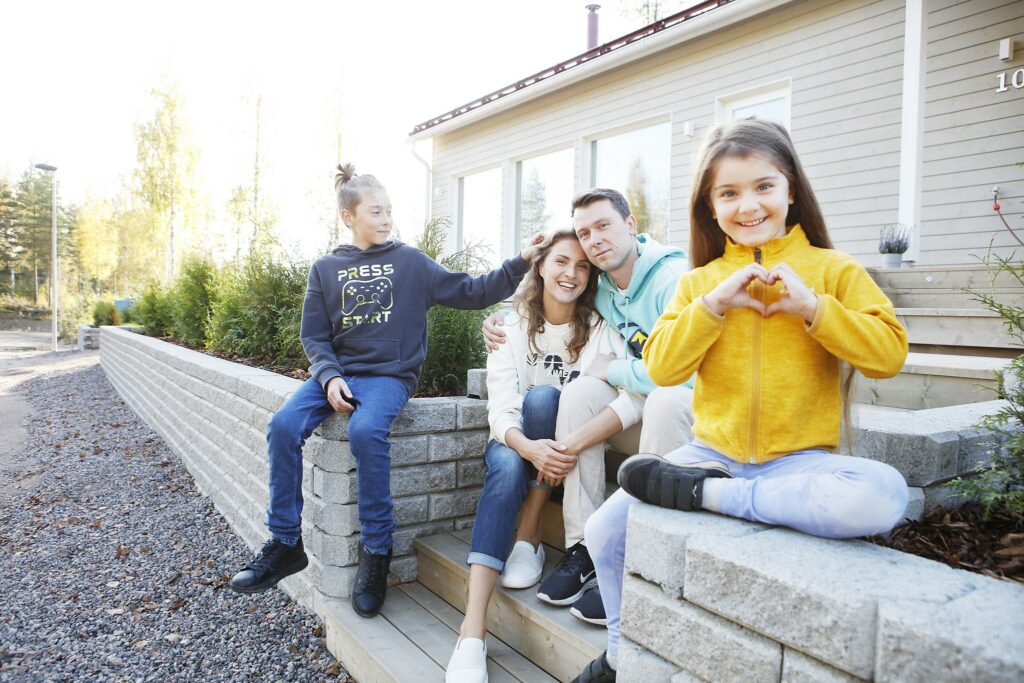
[77,78]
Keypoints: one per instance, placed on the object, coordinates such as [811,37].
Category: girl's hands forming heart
[732,291]
[797,299]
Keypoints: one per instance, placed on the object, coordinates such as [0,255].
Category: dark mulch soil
[963,539]
[269,363]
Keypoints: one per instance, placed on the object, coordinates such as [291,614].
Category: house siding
[845,62]
[974,136]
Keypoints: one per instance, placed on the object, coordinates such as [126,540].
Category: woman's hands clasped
[548,457]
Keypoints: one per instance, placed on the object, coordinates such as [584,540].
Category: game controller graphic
[358,293]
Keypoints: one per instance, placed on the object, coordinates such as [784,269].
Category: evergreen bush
[455,344]
[999,484]
[191,299]
[105,313]
[252,305]
[154,311]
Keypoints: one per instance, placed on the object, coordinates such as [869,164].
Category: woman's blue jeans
[381,399]
[509,477]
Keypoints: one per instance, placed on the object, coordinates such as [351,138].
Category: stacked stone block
[214,415]
[88,338]
[708,597]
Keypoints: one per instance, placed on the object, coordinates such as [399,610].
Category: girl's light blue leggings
[819,493]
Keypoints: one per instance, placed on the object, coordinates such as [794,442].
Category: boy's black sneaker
[656,481]
[590,607]
[273,562]
[371,582]
[573,574]
[597,671]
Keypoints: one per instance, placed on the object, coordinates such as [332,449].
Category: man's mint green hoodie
[634,312]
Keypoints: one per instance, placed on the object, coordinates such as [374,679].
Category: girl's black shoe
[273,562]
[656,481]
[371,582]
[597,671]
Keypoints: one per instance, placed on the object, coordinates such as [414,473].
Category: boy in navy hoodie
[364,331]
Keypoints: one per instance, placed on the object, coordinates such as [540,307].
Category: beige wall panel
[845,59]
[974,136]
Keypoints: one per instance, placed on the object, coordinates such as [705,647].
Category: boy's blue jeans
[380,401]
[509,477]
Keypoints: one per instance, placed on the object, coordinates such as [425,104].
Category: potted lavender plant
[893,243]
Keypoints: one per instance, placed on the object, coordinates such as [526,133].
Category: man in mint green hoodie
[637,281]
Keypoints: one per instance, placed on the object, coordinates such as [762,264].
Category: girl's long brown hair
[742,139]
[529,300]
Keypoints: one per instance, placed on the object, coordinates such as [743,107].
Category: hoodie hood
[651,254]
[633,313]
[352,250]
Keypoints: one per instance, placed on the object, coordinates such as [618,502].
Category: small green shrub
[253,308]
[999,484]
[455,344]
[154,311]
[105,313]
[190,299]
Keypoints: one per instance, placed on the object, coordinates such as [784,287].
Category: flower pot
[892,260]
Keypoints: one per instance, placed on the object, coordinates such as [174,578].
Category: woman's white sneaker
[524,566]
[468,663]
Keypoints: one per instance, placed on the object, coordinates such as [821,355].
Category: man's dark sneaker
[656,481]
[273,562]
[571,576]
[371,582]
[590,607]
[597,671]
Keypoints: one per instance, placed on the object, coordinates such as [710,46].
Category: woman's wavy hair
[742,139]
[529,300]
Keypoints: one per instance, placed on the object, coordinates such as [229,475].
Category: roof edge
[678,28]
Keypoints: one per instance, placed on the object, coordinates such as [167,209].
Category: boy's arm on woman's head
[462,290]
[316,331]
[856,322]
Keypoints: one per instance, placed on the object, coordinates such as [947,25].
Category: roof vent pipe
[592,26]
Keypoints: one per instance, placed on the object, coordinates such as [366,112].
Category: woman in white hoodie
[554,335]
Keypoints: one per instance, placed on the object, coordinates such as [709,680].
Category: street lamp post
[53,251]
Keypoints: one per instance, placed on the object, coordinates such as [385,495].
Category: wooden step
[955,327]
[930,380]
[548,636]
[412,639]
[946,286]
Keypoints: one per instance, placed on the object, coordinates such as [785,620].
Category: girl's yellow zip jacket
[771,386]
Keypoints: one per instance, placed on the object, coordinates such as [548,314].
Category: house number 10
[1017,80]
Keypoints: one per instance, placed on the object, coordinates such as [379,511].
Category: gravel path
[112,564]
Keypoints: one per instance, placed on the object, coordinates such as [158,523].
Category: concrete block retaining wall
[214,415]
[713,598]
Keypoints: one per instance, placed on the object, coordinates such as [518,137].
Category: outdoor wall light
[1006,49]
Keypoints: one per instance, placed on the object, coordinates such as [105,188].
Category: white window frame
[515,173]
[755,95]
[587,169]
[456,240]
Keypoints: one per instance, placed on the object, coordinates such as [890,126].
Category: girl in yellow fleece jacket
[763,319]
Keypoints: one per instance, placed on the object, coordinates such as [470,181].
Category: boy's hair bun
[346,172]
[349,186]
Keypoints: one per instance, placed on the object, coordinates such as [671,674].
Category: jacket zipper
[755,385]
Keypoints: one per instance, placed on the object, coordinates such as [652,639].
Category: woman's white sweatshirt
[515,368]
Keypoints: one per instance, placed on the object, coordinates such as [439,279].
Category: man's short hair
[598,194]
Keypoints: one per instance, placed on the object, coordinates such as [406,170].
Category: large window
[638,164]
[543,193]
[479,217]
[770,101]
